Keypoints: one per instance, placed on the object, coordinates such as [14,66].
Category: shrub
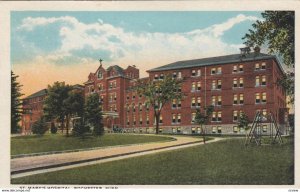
[80,129]
[53,128]
[98,129]
[39,127]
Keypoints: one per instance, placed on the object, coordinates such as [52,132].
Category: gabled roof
[234,58]
[37,94]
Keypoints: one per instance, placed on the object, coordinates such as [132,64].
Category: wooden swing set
[256,133]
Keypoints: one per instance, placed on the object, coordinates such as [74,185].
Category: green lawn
[224,162]
[58,142]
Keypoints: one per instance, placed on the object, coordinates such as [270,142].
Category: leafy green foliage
[159,93]
[39,127]
[277,31]
[54,102]
[243,121]
[16,104]
[93,114]
[80,128]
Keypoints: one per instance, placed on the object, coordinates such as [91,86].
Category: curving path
[46,163]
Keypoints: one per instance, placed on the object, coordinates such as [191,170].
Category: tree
[243,121]
[54,107]
[159,93]
[93,114]
[73,106]
[16,104]
[277,31]
[202,118]
[39,127]
[53,128]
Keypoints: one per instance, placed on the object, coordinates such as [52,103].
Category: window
[257,98]
[178,130]
[101,98]
[219,84]
[264,98]
[241,82]
[127,97]
[214,116]
[235,99]
[193,130]
[141,120]
[140,107]
[128,122]
[179,103]
[179,118]
[235,115]
[133,96]
[263,65]
[156,77]
[193,73]
[160,119]
[199,72]
[193,86]
[198,129]
[147,106]
[219,116]
[241,98]
[161,76]
[257,66]
[179,75]
[127,107]
[193,117]
[198,85]
[160,130]
[235,82]
[193,102]
[257,81]
[173,118]
[219,100]
[234,70]
[174,75]
[100,87]
[264,128]
[213,71]
[133,107]
[214,129]
[264,112]
[198,101]
[219,70]
[213,85]
[263,80]
[100,75]
[174,104]
[147,119]
[241,68]
[213,100]
[174,130]
[235,129]
[219,129]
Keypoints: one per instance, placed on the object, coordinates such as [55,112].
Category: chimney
[245,51]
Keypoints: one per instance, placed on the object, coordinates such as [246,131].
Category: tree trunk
[203,133]
[67,124]
[157,123]
[62,122]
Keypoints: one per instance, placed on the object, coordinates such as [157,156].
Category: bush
[98,129]
[53,128]
[39,127]
[80,129]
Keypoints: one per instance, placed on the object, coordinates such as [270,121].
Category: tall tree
[277,31]
[93,114]
[16,104]
[73,106]
[158,93]
[54,107]
[203,118]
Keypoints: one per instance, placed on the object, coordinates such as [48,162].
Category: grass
[58,142]
[221,163]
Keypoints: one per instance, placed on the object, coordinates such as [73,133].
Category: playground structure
[264,128]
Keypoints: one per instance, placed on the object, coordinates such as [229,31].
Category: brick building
[232,84]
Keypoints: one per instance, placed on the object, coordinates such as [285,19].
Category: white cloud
[145,50]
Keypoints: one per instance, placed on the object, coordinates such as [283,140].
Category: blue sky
[56,41]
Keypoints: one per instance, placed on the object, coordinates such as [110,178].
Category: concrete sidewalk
[47,163]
